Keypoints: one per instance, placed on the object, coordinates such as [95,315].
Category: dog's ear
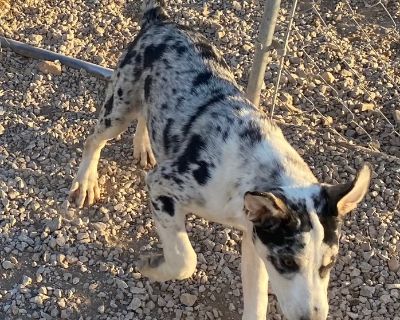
[347,196]
[260,206]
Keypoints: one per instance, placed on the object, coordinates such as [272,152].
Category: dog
[218,156]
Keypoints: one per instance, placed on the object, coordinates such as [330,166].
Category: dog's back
[194,107]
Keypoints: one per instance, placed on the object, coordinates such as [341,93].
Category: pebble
[36,38]
[7,265]
[188,299]
[26,281]
[396,116]
[394,264]
[60,240]
[101,309]
[50,67]
[367,291]
[367,106]
[121,284]
[328,77]
[247,47]
[135,304]
[54,224]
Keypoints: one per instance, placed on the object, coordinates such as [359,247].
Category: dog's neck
[272,164]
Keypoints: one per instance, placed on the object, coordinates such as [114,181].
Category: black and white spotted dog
[219,157]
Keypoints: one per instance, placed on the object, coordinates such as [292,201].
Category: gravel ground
[58,262]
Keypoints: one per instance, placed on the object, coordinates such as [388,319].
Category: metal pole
[266,32]
[42,54]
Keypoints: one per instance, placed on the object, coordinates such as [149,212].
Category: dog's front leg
[254,281]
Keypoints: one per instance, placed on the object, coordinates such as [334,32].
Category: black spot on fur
[120,92]
[153,130]
[168,205]
[166,63]
[137,73]
[225,135]
[175,145]
[138,59]
[131,52]
[107,123]
[152,54]
[251,133]
[128,57]
[177,180]
[209,53]
[147,87]
[154,15]
[169,38]
[164,106]
[200,110]
[281,233]
[276,172]
[180,48]
[109,105]
[328,216]
[202,78]
[155,205]
[166,138]
[179,102]
[191,154]
[202,174]
[284,235]
[206,51]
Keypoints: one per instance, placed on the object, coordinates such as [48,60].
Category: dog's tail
[153,12]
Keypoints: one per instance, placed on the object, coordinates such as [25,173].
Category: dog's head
[296,233]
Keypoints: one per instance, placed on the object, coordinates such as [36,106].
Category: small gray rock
[188,299]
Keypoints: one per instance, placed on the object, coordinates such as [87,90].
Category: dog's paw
[143,153]
[152,267]
[84,189]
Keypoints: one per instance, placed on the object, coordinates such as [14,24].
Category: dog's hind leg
[254,281]
[116,115]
